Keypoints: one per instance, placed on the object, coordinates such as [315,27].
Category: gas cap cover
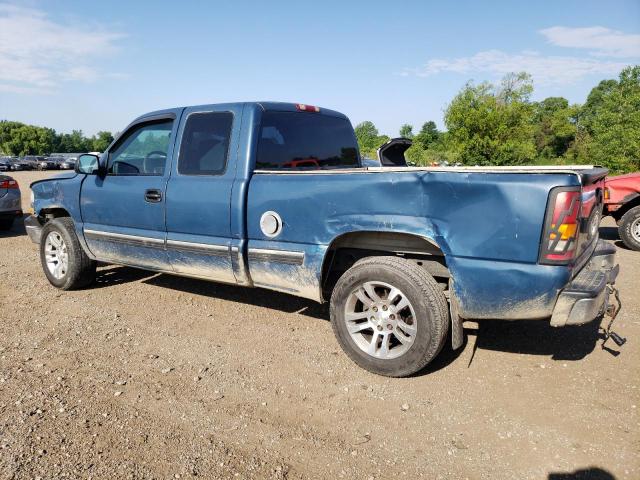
[271,224]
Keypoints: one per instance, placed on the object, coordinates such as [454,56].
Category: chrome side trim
[239,265]
[191,247]
[203,248]
[126,239]
[277,288]
[116,261]
[280,256]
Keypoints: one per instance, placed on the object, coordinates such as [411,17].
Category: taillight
[561,229]
[607,195]
[307,108]
[9,184]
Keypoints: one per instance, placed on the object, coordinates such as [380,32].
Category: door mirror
[87,163]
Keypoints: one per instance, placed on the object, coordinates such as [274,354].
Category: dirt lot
[152,376]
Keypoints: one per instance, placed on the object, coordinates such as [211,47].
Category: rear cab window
[306,141]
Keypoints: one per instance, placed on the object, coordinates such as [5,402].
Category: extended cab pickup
[274,195]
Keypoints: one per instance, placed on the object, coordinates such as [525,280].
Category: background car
[5,164]
[47,163]
[28,162]
[10,208]
[622,202]
[17,164]
[67,163]
[370,162]
[57,160]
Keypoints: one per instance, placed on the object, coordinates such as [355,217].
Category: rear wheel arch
[346,249]
[625,207]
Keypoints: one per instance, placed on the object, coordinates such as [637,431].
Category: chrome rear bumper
[587,296]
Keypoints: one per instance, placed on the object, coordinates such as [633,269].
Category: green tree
[366,133]
[489,125]
[75,142]
[428,135]
[369,140]
[101,141]
[610,120]
[406,131]
[555,127]
[20,139]
[515,87]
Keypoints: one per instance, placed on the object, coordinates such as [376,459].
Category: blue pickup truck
[274,195]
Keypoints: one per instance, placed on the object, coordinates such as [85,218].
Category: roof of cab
[266,106]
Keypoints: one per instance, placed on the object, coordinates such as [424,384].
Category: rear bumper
[586,296]
[33,228]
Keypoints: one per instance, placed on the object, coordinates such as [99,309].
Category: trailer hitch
[612,311]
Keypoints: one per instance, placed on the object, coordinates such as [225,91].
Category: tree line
[486,124]
[489,124]
[19,139]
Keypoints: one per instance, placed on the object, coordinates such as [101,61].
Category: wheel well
[50,213]
[347,249]
[617,214]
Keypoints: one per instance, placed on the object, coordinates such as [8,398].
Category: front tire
[389,315]
[629,228]
[64,262]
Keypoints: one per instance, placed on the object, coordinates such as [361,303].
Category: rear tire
[629,228]
[6,224]
[63,260]
[389,315]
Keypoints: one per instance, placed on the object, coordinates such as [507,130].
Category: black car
[47,163]
[28,162]
[18,164]
[5,164]
[68,163]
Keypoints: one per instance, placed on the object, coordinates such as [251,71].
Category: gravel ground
[153,376]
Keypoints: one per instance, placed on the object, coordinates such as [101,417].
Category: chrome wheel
[56,255]
[635,229]
[380,320]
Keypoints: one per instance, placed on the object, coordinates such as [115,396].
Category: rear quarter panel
[488,225]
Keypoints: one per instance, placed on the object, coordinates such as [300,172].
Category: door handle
[153,195]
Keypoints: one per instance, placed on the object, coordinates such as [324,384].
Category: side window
[142,150]
[205,143]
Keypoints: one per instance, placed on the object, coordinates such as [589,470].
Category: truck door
[123,211]
[199,193]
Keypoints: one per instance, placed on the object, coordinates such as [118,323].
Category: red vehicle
[622,202]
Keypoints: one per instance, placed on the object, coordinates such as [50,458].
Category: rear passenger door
[198,203]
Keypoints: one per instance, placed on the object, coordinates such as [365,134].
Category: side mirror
[87,163]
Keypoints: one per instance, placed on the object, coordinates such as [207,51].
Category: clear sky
[96,65]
